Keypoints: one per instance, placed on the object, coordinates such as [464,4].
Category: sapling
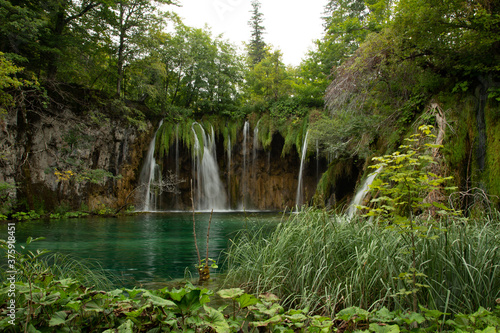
[400,191]
[205,264]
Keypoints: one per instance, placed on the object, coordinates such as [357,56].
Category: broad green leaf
[75,305]
[126,327]
[32,329]
[383,315]
[138,312]
[489,329]
[434,314]
[190,302]
[158,301]
[58,318]
[412,317]
[49,299]
[230,293]
[268,297]
[215,319]
[177,294]
[273,320]
[296,317]
[352,313]
[92,306]
[133,292]
[116,292]
[273,310]
[246,300]
[382,328]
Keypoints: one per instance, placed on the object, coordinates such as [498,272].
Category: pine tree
[257,46]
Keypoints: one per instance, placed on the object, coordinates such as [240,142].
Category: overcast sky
[290,25]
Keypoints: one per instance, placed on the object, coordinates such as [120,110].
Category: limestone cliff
[76,150]
[80,139]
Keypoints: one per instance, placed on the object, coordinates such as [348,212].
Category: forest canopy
[374,56]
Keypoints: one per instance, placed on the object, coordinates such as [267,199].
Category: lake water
[145,248]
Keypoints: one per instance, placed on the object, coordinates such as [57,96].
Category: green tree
[7,81]
[39,32]
[311,79]
[455,37]
[348,22]
[269,80]
[129,24]
[257,46]
[189,69]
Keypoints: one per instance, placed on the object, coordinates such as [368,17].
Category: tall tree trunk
[121,47]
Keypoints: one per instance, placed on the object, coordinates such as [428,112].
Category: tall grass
[60,266]
[328,263]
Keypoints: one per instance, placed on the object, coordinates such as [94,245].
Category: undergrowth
[48,299]
[329,263]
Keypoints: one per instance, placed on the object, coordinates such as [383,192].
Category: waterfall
[244,178]
[229,170]
[255,146]
[210,193]
[317,161]
[300,198]
[196,167]
[177,176]
[151,175]
[360,195]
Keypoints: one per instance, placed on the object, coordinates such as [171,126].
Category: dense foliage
[51,297]
[134,50]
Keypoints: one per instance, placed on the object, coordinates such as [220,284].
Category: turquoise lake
[145,248]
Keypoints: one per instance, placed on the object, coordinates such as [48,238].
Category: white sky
[290,25]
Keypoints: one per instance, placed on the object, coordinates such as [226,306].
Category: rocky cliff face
[63,155]
[86,155]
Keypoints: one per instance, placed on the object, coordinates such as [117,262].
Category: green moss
[492,175]
[325,187]
[460,138]
[230,132]
[164,139]
[293,132]
[294,135]
[266,131]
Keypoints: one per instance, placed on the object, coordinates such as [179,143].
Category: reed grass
[328,263]
[60,266]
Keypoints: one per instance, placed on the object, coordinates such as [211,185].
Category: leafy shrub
[23,216]
[287,108]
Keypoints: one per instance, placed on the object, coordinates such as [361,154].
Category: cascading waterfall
[210,193]
[229,161]
[177,176]
[242,187]
[150,177]
[255,146]
[317,161]
[244,176]
[196,167]
[360,195]
[300,197]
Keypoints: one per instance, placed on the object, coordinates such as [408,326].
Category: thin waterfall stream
[300,187]
[360,195]
[244,175]
[151,175]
